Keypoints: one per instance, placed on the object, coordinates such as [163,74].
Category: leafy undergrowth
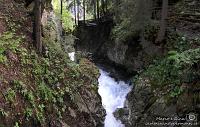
[37,90]
[178,71]
[33,86]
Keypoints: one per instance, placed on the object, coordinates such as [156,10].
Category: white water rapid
[113,96]
[72,56]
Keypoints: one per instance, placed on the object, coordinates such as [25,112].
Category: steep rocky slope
[42,90]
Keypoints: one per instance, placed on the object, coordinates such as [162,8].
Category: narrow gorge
[99,63]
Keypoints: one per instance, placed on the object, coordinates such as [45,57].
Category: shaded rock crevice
[131,55]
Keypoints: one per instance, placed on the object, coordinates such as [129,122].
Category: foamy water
[72,56]
[113,96]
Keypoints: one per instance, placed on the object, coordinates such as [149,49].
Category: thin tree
[163,22]
[75,11]
[103,7]
[94,4]
[61,7]
[106,5]
[78,10]
[37,12]
[84,11]
[98,11]
[61,13]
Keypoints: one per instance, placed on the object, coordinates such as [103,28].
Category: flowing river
[113,96]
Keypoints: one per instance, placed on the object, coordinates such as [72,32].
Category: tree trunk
[103,7]
[163,22]
[95,16]
[61,13]
[75,11]
[98,14]
[84,11]
[38,14]
[78,11]
[106,5]
[61,7]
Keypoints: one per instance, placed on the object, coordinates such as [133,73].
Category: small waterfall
[113,96]
[72,56]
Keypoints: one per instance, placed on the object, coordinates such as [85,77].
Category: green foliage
[40,83]
[28,113]
[29,96]
[8,42]
[40,113]
[175,69]
[177,42]
[121,32]
[10,95]
[3,58]
[131,17]
[25,92]
[45,93]
[3,112]
[163,72]
[53,77]
[67,20]
[186,58]
[11,24]
[88,69]
[176,92]
[16,124]
[66,16]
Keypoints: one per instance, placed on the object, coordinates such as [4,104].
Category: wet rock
[122,114]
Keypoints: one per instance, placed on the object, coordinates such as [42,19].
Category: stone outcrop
[145,107]
[132,55]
